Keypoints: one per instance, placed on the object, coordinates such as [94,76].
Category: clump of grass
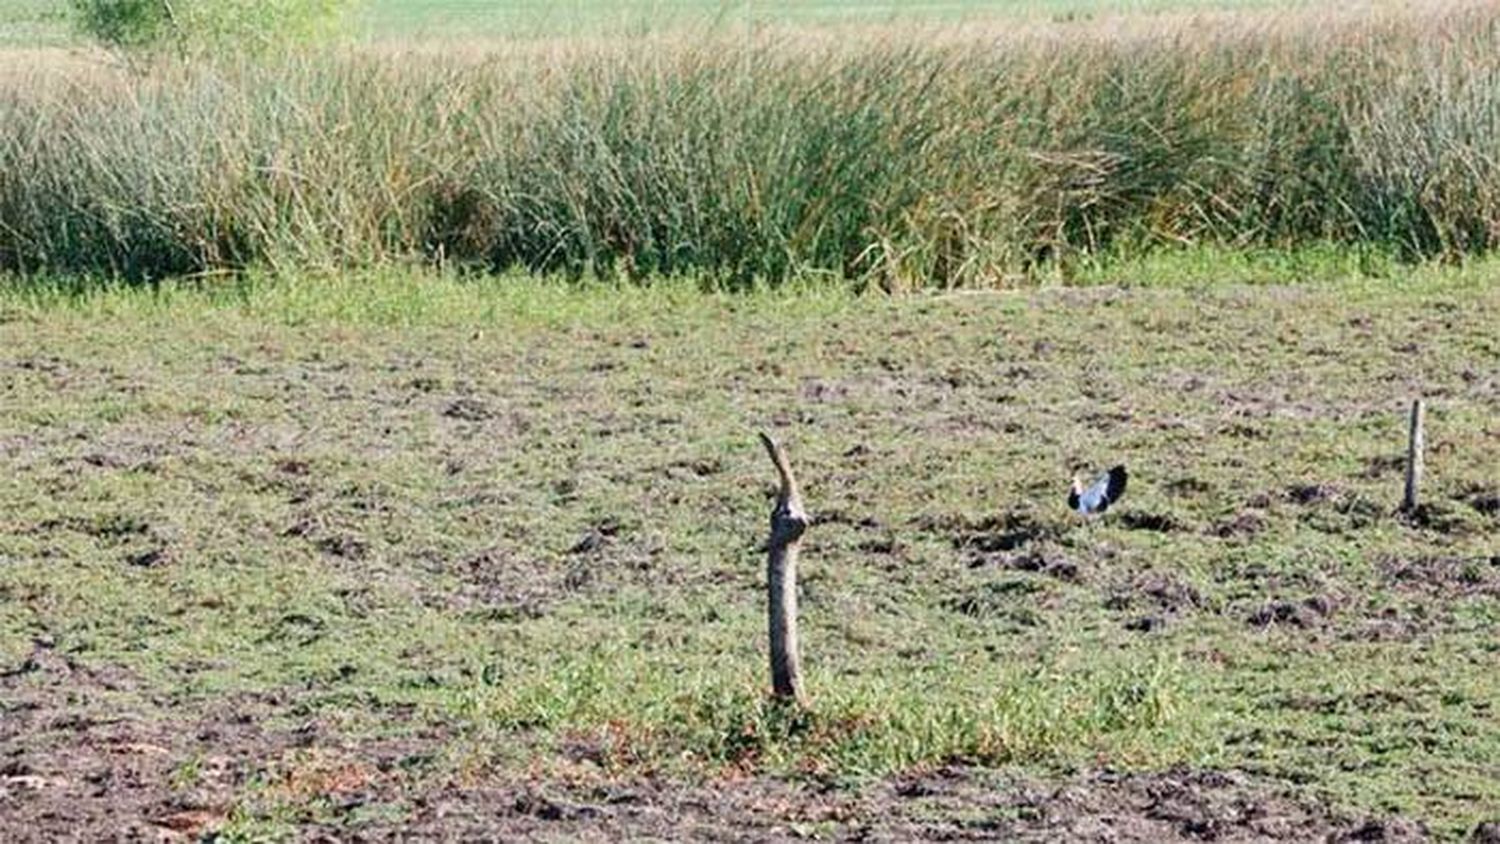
[638,710]
[878,160]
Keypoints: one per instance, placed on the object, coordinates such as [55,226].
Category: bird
[1099,495]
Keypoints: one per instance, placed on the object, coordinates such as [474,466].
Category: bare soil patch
[67,769]
[1307,613]
[78,761]
[1446,576]
[1152,599]
[949,804]
[1011,531]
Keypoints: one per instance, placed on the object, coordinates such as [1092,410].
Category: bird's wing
[1104,491]
[1095,499]
[1116,483]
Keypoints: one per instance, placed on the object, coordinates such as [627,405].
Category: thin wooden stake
[788,522]
[1414,449]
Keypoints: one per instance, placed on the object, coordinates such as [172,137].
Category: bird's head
[1077,487]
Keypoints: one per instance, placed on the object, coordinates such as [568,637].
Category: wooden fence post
[1414,448]
[788,522]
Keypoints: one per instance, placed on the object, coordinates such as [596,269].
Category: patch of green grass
[701,706]
[404,18]
[1214,266]
[32,23]
[526,514]
[38,22]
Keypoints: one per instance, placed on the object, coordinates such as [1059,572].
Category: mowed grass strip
[519,524]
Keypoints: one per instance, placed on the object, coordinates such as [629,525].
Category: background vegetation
[201,26]
[877,155]
[45,22]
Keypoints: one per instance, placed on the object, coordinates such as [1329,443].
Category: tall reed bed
[873,157]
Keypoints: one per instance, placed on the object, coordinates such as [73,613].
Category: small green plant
[124,24]
[187,775]
[203,26]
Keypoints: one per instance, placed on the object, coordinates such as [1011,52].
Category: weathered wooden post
[1414,448]
[788,522]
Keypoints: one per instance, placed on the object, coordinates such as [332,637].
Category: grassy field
[391,552]
[378,457]
[383,18]
[41,22]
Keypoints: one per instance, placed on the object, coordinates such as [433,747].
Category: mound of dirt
[1486,503]
[1153,522]
[1161,596]
[1044,559]
[1009,532]
[1329,508]
[1306,613]
[1308,494]
[1449,576]
[1242,525]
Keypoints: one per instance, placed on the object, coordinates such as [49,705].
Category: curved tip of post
[773,447]
[777,453]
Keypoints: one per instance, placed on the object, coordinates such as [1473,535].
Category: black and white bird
[1098,496]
